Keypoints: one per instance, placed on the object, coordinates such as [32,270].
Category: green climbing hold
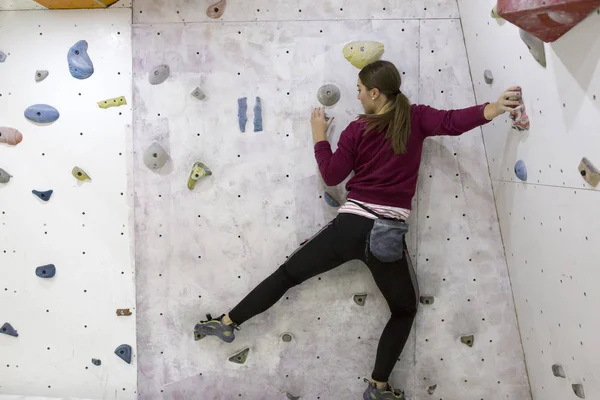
[468,340]
[80,174]
[241,357]
[360,299]
[199,170]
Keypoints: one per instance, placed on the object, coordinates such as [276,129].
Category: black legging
[342,240]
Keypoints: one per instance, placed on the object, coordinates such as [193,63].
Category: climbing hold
[558,371]
[494,13]
[468,340]
[535,45]
[46,271]
[488,76]
[124,353]
[198,93]
[361,54]
[80,174]
[330,200]
[328,95]
[360,299]
[242,109]
[287,337]
[589,172]
[116,102]
[41,75]
[43,195]
[2,57]
[291,396]
[7,329]
[123,312]
[4,176]
[80,64]
[159,74]
[431,389]
[520,118]
[428,300]
[521,170]
[42,114]
[96,362]
[10,136]
[241,357]
[199,170]
[155,156]
[216,10]
[258,127]
[578,389]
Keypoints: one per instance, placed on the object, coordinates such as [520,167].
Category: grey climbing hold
[330,200]
[242,110]
[578,389]
[96,362]
[241,357]
[159,74]
[7,329]
[4,176]
[521,170]
[291,396]
[431,389]
[360,299]
[42,113]
[535,45]
[80,64]
[124,353]
[258,123]
[558,371]
[40,75]
[46,271]
[155,156]
[328,95]
[488,76]
[468,340]
[589,172]
[2,57]
[43,195]
[427,300]
[198,93]
[287,337]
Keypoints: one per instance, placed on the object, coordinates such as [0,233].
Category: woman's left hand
[319,125]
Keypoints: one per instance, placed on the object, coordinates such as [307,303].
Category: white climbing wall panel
[549,223]
[202,251]
[84,230]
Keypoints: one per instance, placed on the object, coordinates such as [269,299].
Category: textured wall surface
[84,230]
[549,223]
[12,5]
[201,251]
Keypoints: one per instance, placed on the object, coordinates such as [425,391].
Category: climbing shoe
[215,327]
[387,393]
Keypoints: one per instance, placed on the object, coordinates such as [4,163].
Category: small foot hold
[558,371]
[199,170]
[360,299]
[7,329]
[2,57]
[4,176]
[45,196]
[46,271]
[40,75]
[287,337]
[80,64]
[159,74]
[361,54]
[241,357]
[80,174]
[468,340]
[10,136]
[258,122]
[427,300]
[124,353]
[242,110]
[155,156]
[330,200]
[488,76]
[578,390]
[96,362]
[494,13]
[589,172]
[291,396]
[216,10]
[123,312]
[521,170]
[431,389]
[42,114]
[328,95]
[198,93]
[115,102]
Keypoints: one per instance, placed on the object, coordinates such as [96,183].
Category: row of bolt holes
[299,10]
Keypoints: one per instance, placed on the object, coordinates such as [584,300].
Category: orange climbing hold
[10,136]
[217,9]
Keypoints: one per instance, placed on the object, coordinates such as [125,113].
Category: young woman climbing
[383,147]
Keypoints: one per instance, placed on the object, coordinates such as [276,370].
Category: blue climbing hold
[521,170]
[80,64]
[43,195]
[96,362]
[242,109]
[46,271]
[7,329]
[258,116]
[2,57]
[124,353]
[330,200]
[42,113]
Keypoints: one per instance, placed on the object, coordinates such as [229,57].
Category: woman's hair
[384,76]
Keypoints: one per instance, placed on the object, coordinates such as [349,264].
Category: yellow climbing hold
[80,174]
[361,54]
[199,170]
[116,102]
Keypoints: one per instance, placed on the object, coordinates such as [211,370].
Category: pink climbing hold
[520,118]
[10,135]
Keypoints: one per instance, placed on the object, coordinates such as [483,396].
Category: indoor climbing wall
[549,221]
[202,250]
[65,256]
